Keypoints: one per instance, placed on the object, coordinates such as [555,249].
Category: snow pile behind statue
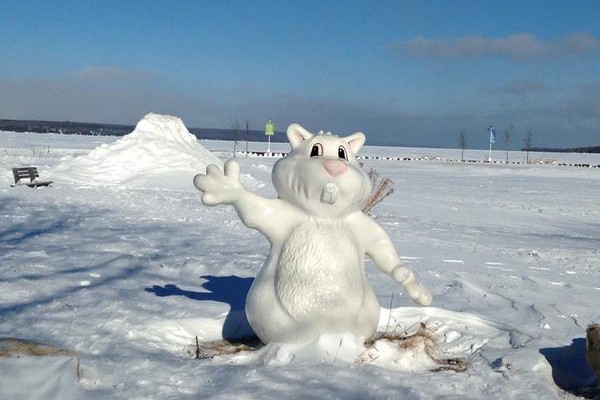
[160,151]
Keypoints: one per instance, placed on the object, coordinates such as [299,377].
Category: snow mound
[411,339]
[160,151]
[32,377]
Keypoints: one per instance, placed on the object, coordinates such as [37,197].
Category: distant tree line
[589,149]
[64,127]
[87,128]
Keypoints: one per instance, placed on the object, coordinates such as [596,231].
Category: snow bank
[33,378]
[451,336]
[160,151]
[130,278]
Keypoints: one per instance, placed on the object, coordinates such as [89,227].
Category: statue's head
[321,175]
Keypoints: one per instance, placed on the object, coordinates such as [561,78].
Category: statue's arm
[272,217]
[381,250]
[269,216]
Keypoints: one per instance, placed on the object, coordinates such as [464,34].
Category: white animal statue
[313,281]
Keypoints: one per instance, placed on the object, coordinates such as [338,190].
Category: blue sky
[412,72]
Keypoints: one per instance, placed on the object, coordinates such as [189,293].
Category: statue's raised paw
[219,187]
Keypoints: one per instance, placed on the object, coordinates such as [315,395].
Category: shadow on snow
[570,369]
[62,231]
[231,290]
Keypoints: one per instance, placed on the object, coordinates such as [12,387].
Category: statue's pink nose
[334,167]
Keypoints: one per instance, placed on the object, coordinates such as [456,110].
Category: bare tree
[247,134]
[508,134]
[528,141]
[462,143]
[236,135]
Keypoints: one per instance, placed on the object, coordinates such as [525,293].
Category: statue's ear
[296,134]
[356,141]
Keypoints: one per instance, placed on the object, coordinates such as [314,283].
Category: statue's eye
[317,150]
[342,153]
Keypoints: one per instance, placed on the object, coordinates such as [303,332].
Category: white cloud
[522,46]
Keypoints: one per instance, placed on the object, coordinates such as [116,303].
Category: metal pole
[246,138]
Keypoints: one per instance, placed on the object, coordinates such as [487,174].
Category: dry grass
[382,187]
[210,350]
[422,338]
[10,347]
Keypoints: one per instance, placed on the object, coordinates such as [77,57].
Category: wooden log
[593,347]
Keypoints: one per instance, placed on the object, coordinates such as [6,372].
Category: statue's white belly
[319,273]
[313,283]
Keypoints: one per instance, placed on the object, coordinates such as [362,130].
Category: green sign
[269,128]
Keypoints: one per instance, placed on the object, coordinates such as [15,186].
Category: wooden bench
[30,173]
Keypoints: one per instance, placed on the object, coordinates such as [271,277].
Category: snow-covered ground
[128,272]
